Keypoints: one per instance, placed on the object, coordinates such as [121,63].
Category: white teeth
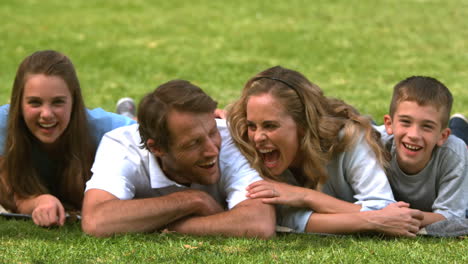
[263,151]
[208,163]
[411,147]
[47,125]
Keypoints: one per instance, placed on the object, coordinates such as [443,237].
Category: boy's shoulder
[453,146]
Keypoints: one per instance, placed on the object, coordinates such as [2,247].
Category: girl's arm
[45,209]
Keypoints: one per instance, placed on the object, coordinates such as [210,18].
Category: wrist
[370,220]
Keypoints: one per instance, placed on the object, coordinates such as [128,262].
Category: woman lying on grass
[302,141]
[51,139]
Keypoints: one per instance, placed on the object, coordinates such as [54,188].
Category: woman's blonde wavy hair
[320,118]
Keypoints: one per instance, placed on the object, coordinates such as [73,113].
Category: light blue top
[99,122]
[354,176]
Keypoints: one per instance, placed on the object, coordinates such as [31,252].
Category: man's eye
[192,143]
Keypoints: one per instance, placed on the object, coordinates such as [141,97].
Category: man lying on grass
[177,169]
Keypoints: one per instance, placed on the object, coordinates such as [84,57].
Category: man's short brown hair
[154,108]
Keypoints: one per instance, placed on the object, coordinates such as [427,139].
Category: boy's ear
[388,124]
[444,134]
[153,149]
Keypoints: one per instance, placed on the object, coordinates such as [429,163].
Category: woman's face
[46,106]
[273,133]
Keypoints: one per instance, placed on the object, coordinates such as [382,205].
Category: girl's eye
[59,102]
[34,103]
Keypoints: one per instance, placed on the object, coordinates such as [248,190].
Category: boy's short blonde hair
[424,91]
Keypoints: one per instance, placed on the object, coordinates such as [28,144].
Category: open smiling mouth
[270,156]
[48,125]
[411,147]
[209,164]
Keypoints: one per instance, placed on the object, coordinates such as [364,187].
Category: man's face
[193,151]
[417,130]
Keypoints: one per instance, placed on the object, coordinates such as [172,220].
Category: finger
[417,223]
[35,218]
[263,194]
[417,214]
[270,201]
[413,229]
[402,204]
[40,217]
[255,184]
[61,214]
[260,188]
[51,218]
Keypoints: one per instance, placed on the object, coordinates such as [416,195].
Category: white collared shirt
[127,171]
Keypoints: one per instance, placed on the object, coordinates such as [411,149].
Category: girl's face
[273,133]
[46,106]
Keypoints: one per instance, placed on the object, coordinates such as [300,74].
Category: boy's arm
[104,214]
[430,218]
[452,198]
[250,218]
[394,220]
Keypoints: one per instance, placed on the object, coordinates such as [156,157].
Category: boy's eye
[405,122]
[428,127]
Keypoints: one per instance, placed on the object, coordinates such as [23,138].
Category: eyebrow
[63,97]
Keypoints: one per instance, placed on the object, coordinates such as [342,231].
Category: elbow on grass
[89,226]
[262,231]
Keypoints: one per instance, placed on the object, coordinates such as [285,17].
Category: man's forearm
[140,215]
[250,218]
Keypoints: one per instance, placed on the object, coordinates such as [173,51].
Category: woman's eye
[251,127]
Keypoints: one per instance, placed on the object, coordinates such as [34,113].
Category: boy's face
[417,130]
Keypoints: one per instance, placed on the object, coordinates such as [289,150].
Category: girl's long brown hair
[74,151]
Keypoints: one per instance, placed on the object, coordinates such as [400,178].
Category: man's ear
[388,124]
[444,134]
[153,149]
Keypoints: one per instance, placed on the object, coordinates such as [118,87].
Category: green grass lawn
[354,50]
[22,242]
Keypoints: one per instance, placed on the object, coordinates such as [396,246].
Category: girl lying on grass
[48,139]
